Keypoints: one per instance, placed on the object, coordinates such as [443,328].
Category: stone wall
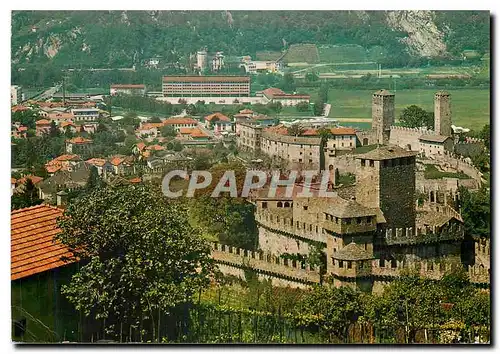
[482,253]
[344,163]
[412,236]
[300,152]
[264,263]
[366,137]
[407,137]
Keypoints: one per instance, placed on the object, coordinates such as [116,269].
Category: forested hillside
[74,39]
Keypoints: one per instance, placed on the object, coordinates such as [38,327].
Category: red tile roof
[13,180]
[310,132]
[66,123]
[60,115]
[33,247]
[115,161]
[147,126]
[34,179]
[246,111]
[155,147]
[135,180]
[141,146]
[96,162]
[217,116]
[194,132]
[186,120]
[53,167]
[19,108]
[79,140]
[42,122]
[206,79]
[273,92]
[67,157]
[343,131]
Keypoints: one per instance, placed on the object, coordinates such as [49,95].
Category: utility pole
[64,89]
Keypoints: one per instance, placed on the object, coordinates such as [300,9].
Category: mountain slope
[123,38]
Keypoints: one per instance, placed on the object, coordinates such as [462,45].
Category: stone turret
[382,115]
[442,113]
[385,179]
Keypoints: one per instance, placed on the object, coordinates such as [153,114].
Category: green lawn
[431,172]
[470,107]
[292,111]
[365,149]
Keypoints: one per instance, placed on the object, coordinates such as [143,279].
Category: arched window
[287,205]
[365,141]
[279,205]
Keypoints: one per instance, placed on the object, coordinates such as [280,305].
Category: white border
[7,6]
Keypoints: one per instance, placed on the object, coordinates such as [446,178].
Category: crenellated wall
[264,263]
[284,272]
[410,235]
[408,137]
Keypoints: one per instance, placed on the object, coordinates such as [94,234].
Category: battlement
[421,130]
[479,274]
[265,262]
[482,248]
[470,140]
[426,268]
[426,234]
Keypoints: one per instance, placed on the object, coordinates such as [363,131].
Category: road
[48,94]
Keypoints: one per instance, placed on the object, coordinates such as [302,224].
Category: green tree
[230,219]
[333,309]
[155,119]
[318,107]
[415,117]
[302,106]
[311,77]
[94,181]
[191,110]
[27,198]
[168,131]
[475,209]
[485,135]
[287,83]
[132,273]
[54,132]
[276,107]
[295,130]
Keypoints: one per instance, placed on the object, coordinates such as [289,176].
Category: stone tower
[385,179]
[382,115]
[442,113]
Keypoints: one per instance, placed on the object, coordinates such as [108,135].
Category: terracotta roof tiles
[218,116]
[33,247]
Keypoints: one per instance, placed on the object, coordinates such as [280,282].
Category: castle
[369,231]
[308,151]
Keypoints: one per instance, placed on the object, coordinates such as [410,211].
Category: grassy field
[302,53]
[268,55]
[431,172]
[470,107]
[349,53]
